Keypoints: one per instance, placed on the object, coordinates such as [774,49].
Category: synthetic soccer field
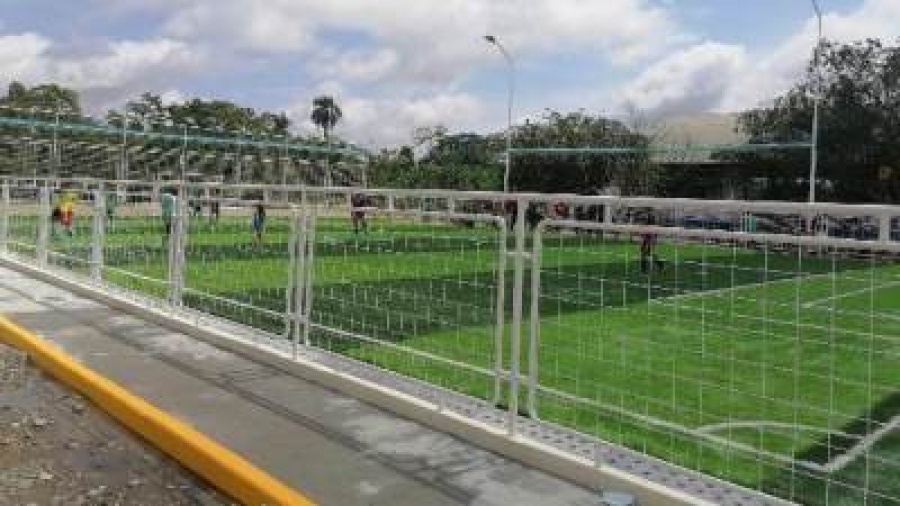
[775,368]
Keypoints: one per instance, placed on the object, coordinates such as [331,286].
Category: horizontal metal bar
[801,209]
[663,148]
[96,128]
[137,276]
[235,303]
[852,245]
[423,354]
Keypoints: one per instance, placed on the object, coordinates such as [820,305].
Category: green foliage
[209,115]
[470,161]
[44,98]
[400,172]
[325,114]
[588,173]
[859,123]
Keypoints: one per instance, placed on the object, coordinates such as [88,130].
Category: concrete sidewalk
[335,449]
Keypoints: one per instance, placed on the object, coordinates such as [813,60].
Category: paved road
[337,450]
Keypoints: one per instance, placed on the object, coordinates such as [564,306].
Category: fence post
[309,231]
[515,357]
[884,228]
[289,294]
[176,249]
[97,236]
[5,208]
[297,278]
[500,309]
[43,226]
[534,334]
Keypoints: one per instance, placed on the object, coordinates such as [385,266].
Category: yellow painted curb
[217,464]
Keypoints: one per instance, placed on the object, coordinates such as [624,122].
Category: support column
[515,357]
[5,209]
[43,226]
[97,236]
[884,227]
[177,242]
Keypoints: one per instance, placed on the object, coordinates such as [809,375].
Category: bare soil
[58,449]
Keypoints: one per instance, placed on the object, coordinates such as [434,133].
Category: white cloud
[173,97]
[391,121]
[122,63]
[778,70]
[692,80]
[433,39]
[719,77]
[105,78]
[266,27]
[395,65]
[356,65]
[21,57]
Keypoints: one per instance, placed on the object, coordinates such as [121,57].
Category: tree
[859,125]
[326,114]
[209,115]
[580,173]
[44,98]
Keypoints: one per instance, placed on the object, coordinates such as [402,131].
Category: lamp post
[512,89]
[239,167]
[188,123]
[184,142]
[817,98]
[55,168]
[123,167]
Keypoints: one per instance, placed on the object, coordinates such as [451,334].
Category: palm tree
[326,114]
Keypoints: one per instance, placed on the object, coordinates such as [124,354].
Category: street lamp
[188,123]
[817,98]
[512,89]
[123,167]
[56,157]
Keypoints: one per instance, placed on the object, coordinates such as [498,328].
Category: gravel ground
[58,449]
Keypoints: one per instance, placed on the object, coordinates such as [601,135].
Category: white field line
[703,293]
[834,465]
[845,295]
[750,424]
[844,459]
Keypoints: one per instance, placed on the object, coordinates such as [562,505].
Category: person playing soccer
[55,219]
[649,260]
[214,211]
[258,223]
[511,210]
[561,211]
[648,244]
[358,213]
[112,201]
[167,205]
[67,215]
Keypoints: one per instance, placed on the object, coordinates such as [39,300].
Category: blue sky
[400,64]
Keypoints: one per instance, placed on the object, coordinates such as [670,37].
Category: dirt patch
[58,449]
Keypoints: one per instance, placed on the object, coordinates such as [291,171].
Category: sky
[396,65]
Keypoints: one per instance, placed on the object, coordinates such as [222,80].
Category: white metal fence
[754,342]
